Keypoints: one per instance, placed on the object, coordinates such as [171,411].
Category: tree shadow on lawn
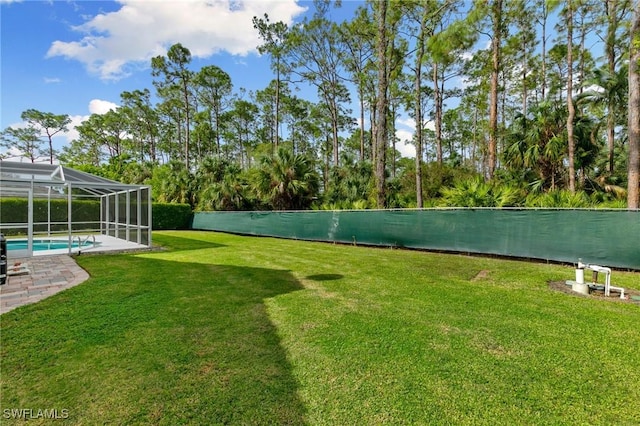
[324,277]
[157,342]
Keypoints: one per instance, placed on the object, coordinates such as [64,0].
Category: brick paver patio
[47,276]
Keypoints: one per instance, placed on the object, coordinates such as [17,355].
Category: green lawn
[224,329]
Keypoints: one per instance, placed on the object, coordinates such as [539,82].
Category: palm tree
[172,183]
[537,144]
[286,181]
[221,185]
[211,170]
[350,181]
[611,92]
[230,193]
[475,192]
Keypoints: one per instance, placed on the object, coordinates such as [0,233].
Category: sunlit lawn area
[240,330]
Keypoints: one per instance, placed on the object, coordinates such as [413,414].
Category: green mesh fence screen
[605,237]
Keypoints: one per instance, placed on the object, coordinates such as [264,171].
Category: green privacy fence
[605,237]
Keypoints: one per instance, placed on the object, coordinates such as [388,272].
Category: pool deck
[47,275]
[50,273]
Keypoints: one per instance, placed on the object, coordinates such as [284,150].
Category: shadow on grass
[325,277]
[154,342]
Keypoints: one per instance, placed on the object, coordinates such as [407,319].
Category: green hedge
[14,210]
[171,216]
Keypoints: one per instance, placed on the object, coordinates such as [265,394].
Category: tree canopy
[498,104]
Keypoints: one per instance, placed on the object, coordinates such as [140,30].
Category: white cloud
[406,122]
[113,43]
[404,146]
[72,133]
[12,154]
[51,80]
[405,130]
[98,106]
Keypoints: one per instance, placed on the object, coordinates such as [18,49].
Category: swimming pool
[44,244]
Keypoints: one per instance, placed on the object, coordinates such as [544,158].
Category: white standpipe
[579,286]
[598,269]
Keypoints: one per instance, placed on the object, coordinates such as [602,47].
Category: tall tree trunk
[187,125]
[525,71]
[392,134]
[178,149]
[612,18]
[474,146]
[418,113]
[544,48]
[633,186]
[334,133]
[611,126]
[217,113]
[50,149]
[382,105]
[496,16]
[437,97]
[570,105]
[327,159]
[582,55]
[362,148]
[277,113]
[372,131]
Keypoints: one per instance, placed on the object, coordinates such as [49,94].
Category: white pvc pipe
[607,277]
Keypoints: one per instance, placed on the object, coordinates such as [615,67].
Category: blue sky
[77,57]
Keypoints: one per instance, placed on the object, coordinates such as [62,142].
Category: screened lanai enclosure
[51,208]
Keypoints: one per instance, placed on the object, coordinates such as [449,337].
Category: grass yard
[224,329]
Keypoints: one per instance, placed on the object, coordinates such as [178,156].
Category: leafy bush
[171,216]
[435,177]
[343,205]
[285,181]
[15,210]
[477,193]
[613,204]
[560,198]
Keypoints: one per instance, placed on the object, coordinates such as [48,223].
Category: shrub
[477,193]
[171,216]
[560,199]
[15,210]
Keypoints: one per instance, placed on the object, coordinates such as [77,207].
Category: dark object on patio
[3,259]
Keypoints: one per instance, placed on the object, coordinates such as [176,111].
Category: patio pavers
[48,276]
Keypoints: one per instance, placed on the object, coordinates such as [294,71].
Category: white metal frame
[22,180]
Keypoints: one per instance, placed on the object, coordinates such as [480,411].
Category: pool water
[44,244]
